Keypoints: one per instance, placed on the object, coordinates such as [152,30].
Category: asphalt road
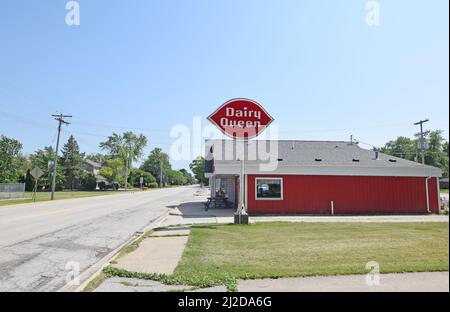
[43,243]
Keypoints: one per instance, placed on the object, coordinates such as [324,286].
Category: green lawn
[444,191]
[44,196]
[220,254]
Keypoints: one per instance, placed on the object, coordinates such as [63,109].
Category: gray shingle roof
[313,153]
[93,163]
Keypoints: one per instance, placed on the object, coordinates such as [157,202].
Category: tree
[88,182]
[189,178]
[113,170]
[402,147]
[437,153]
[10,160]
[28,180]
[198,168]
[153,164]
[72,162]
[175,177]
[40,159]
[129,147]
[136,175]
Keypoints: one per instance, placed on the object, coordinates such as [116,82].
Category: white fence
[12,190]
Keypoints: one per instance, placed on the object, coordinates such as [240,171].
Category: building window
[269,188]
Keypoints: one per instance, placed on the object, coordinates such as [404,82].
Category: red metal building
[321,178]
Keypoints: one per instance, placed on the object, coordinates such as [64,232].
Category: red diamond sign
[241,119]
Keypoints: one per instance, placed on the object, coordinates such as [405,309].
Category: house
[444,183]
[320,178]
[93,168]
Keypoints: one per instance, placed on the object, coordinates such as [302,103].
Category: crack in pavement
[39,263]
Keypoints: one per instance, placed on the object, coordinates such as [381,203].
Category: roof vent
[393,160]
[355,160]
[292,146]
[377,156]
[318,159]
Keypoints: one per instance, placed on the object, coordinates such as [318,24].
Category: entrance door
[227,184]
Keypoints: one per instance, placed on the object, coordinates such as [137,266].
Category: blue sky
[315,65]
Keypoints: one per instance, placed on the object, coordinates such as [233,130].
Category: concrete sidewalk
[404,282]
[158,253]
[194,213]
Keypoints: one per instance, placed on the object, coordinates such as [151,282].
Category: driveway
[44,243]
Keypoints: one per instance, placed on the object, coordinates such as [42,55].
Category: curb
[94,270]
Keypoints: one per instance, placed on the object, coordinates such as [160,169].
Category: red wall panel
[304,194]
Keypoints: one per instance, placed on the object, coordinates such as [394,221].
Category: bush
[153,185]
[136,175]
[28,180]
[88,182]
[59,186]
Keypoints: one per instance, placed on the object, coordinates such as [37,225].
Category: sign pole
[241,216]
[241,119]
[242,179]
[36,173]
[34,190]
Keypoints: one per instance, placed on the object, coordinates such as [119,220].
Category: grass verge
[221,254]
[94,283]
[45,196]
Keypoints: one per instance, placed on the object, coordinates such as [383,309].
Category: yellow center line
[49,212]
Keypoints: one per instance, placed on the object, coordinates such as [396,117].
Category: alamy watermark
[73,276]
[73,14]
[373,277]
[373,13]
[189,142]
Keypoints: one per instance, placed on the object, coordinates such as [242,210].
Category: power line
[120,127]
[82,133]
[344,129]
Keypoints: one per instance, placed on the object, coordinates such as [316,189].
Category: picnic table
[217,202]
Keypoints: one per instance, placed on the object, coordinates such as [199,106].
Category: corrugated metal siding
[434,196]
[351,195]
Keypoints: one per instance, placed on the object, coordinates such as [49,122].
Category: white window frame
[269,178]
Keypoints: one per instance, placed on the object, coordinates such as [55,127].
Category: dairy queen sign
[241,119]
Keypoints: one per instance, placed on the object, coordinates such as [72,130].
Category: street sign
[241,119]
[36,173]
[51,164]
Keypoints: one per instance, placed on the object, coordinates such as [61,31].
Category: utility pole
[160,173]
[422,146]
[127,159]
[126,170]
[60,119]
